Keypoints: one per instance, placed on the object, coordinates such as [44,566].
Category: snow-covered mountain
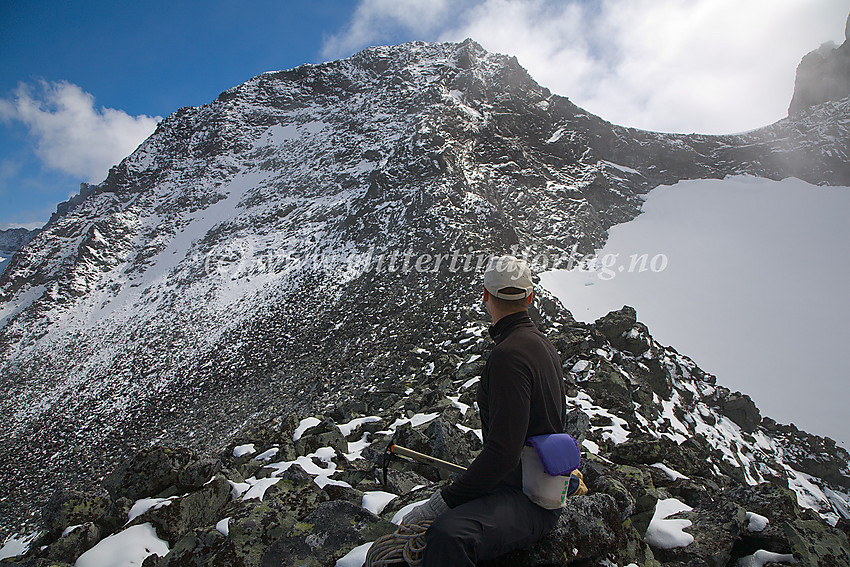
[315,236]
[12,240]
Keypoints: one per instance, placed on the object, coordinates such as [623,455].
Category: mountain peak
[823,75]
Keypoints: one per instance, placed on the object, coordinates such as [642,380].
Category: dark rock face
[70,546]
[150,473]
[589,527]
[67,508]
[823,75]
[740,408]
[198,509]
[332,527]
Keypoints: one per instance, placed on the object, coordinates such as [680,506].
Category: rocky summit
[823,75]
[206,355]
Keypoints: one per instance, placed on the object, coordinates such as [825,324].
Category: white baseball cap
[508,272]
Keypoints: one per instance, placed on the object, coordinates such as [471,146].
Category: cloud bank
[71,135]
[710,66]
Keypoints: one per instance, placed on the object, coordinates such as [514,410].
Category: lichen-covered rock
[116,515]
[277,430]
[321,538]
[198,473]
[297,492]
[326,434]
[657,378]
[715,527]
[253,526]
[589,526]
[31,561]
[815,544]
[149,473]
[192,511]
[195,549]
[608,386]
[639,451]
[73,543]
[70,508]
[634,551]
[403,481]
[447,442]
[616,323]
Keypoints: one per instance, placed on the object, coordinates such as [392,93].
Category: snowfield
[754,289]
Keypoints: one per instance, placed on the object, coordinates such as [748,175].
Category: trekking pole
[426,459]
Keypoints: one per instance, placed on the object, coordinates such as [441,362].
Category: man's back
[521,394]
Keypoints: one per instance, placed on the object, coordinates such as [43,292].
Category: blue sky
[82,83]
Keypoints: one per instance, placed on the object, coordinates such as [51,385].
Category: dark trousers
[485,528]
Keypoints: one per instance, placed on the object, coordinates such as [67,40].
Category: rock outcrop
[823,75]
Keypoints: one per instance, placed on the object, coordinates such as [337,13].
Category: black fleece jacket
[520,395]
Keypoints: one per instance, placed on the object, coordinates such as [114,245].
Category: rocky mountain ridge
[823,75]
[12,240]
[265,255]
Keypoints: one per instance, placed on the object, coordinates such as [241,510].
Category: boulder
[73,543]
[577,424]
[297,493]
[326,434]
[608,387]
[198,473]
[640,451]
[320,539]
[195,549]
[192,511]
[31,561]
[742,410]
[277,431]
[716,528]
[403,481]
[617,323]
[589,527]
[67,508]
[116,515]
[150,473]
[448,443]
[657,378]
[814,543]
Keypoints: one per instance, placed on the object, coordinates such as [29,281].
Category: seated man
[485,513]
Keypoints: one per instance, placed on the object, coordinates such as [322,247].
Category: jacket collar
[508,323]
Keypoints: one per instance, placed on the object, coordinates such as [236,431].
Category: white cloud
[712,66]
[72,135]
[379,20]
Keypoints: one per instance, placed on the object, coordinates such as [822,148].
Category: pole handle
[427,459]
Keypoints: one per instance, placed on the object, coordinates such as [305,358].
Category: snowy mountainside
[258,255]
[12,240]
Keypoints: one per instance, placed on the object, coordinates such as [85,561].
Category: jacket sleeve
[509,399]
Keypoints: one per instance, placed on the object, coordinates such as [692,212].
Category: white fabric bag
[543,489]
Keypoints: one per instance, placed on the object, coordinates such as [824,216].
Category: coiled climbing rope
[405,545]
